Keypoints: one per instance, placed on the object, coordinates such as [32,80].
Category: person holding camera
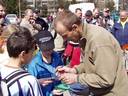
[29,22]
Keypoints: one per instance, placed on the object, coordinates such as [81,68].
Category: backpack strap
[55,35]
[1,94]
[16,75]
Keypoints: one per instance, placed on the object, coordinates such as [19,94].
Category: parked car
[12,18]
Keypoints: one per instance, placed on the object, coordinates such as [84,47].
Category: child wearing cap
[44,63]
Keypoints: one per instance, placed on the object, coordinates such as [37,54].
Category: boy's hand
[57,92]
[45,82]
[65,69]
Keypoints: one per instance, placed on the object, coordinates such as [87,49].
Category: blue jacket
[40,69]
[120,33]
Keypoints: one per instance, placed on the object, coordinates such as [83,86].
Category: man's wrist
[73,70]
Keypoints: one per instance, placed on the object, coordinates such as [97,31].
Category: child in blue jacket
[44,63]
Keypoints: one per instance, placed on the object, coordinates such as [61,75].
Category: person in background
[60,8]
[107,20]
[3,21]
[78,13]
[120,32]
[58,40]
[20,47]
[97,18]
[39,20]
[29,22]
[89,17]
[45,62]
[50,20]
[7,31]
[120,29]
[102,69]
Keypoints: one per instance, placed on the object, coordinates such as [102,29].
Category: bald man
[120,31]
[29,22]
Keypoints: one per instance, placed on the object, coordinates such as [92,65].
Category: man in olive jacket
[102,68]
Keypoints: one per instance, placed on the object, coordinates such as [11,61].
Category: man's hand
[65,69]
[68,78]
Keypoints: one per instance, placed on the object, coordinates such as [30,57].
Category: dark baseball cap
[36,11]
[88,13]
[45,40]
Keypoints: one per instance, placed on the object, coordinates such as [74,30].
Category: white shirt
[27,85]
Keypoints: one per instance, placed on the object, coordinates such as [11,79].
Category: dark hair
[19,41]
[61,7]
[77,10]
[67,18]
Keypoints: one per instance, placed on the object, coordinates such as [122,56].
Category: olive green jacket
[102,68]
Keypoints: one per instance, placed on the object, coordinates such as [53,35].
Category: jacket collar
[83,39]
[84,30]
[120,21]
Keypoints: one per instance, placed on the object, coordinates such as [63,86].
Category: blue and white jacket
[40,70]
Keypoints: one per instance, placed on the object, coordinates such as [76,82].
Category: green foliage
[12,6]
[110,4]
[65,3]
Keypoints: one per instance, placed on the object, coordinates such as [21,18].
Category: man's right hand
[65,69]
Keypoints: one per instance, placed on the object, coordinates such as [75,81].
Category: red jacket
[73,53]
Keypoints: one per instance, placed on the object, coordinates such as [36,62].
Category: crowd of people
[83,54]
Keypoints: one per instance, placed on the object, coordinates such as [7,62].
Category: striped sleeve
[35,89]
[26,86]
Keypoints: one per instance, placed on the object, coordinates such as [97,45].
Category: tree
[110,4]
[12,6]
[65,3]
[73,2]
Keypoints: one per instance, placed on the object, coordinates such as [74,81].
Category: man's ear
[74,27]
[22,54]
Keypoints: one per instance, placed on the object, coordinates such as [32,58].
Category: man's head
[2,11]
[96,13]
[28,14]
[78,13]
[36,13]
[20,45]
[45,42]
[123,15]
[88,16]
[67,24]
[60,9]
[106,12]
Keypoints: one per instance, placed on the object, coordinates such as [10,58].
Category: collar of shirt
[123,23]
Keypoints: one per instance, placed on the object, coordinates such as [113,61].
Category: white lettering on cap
[45,39]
